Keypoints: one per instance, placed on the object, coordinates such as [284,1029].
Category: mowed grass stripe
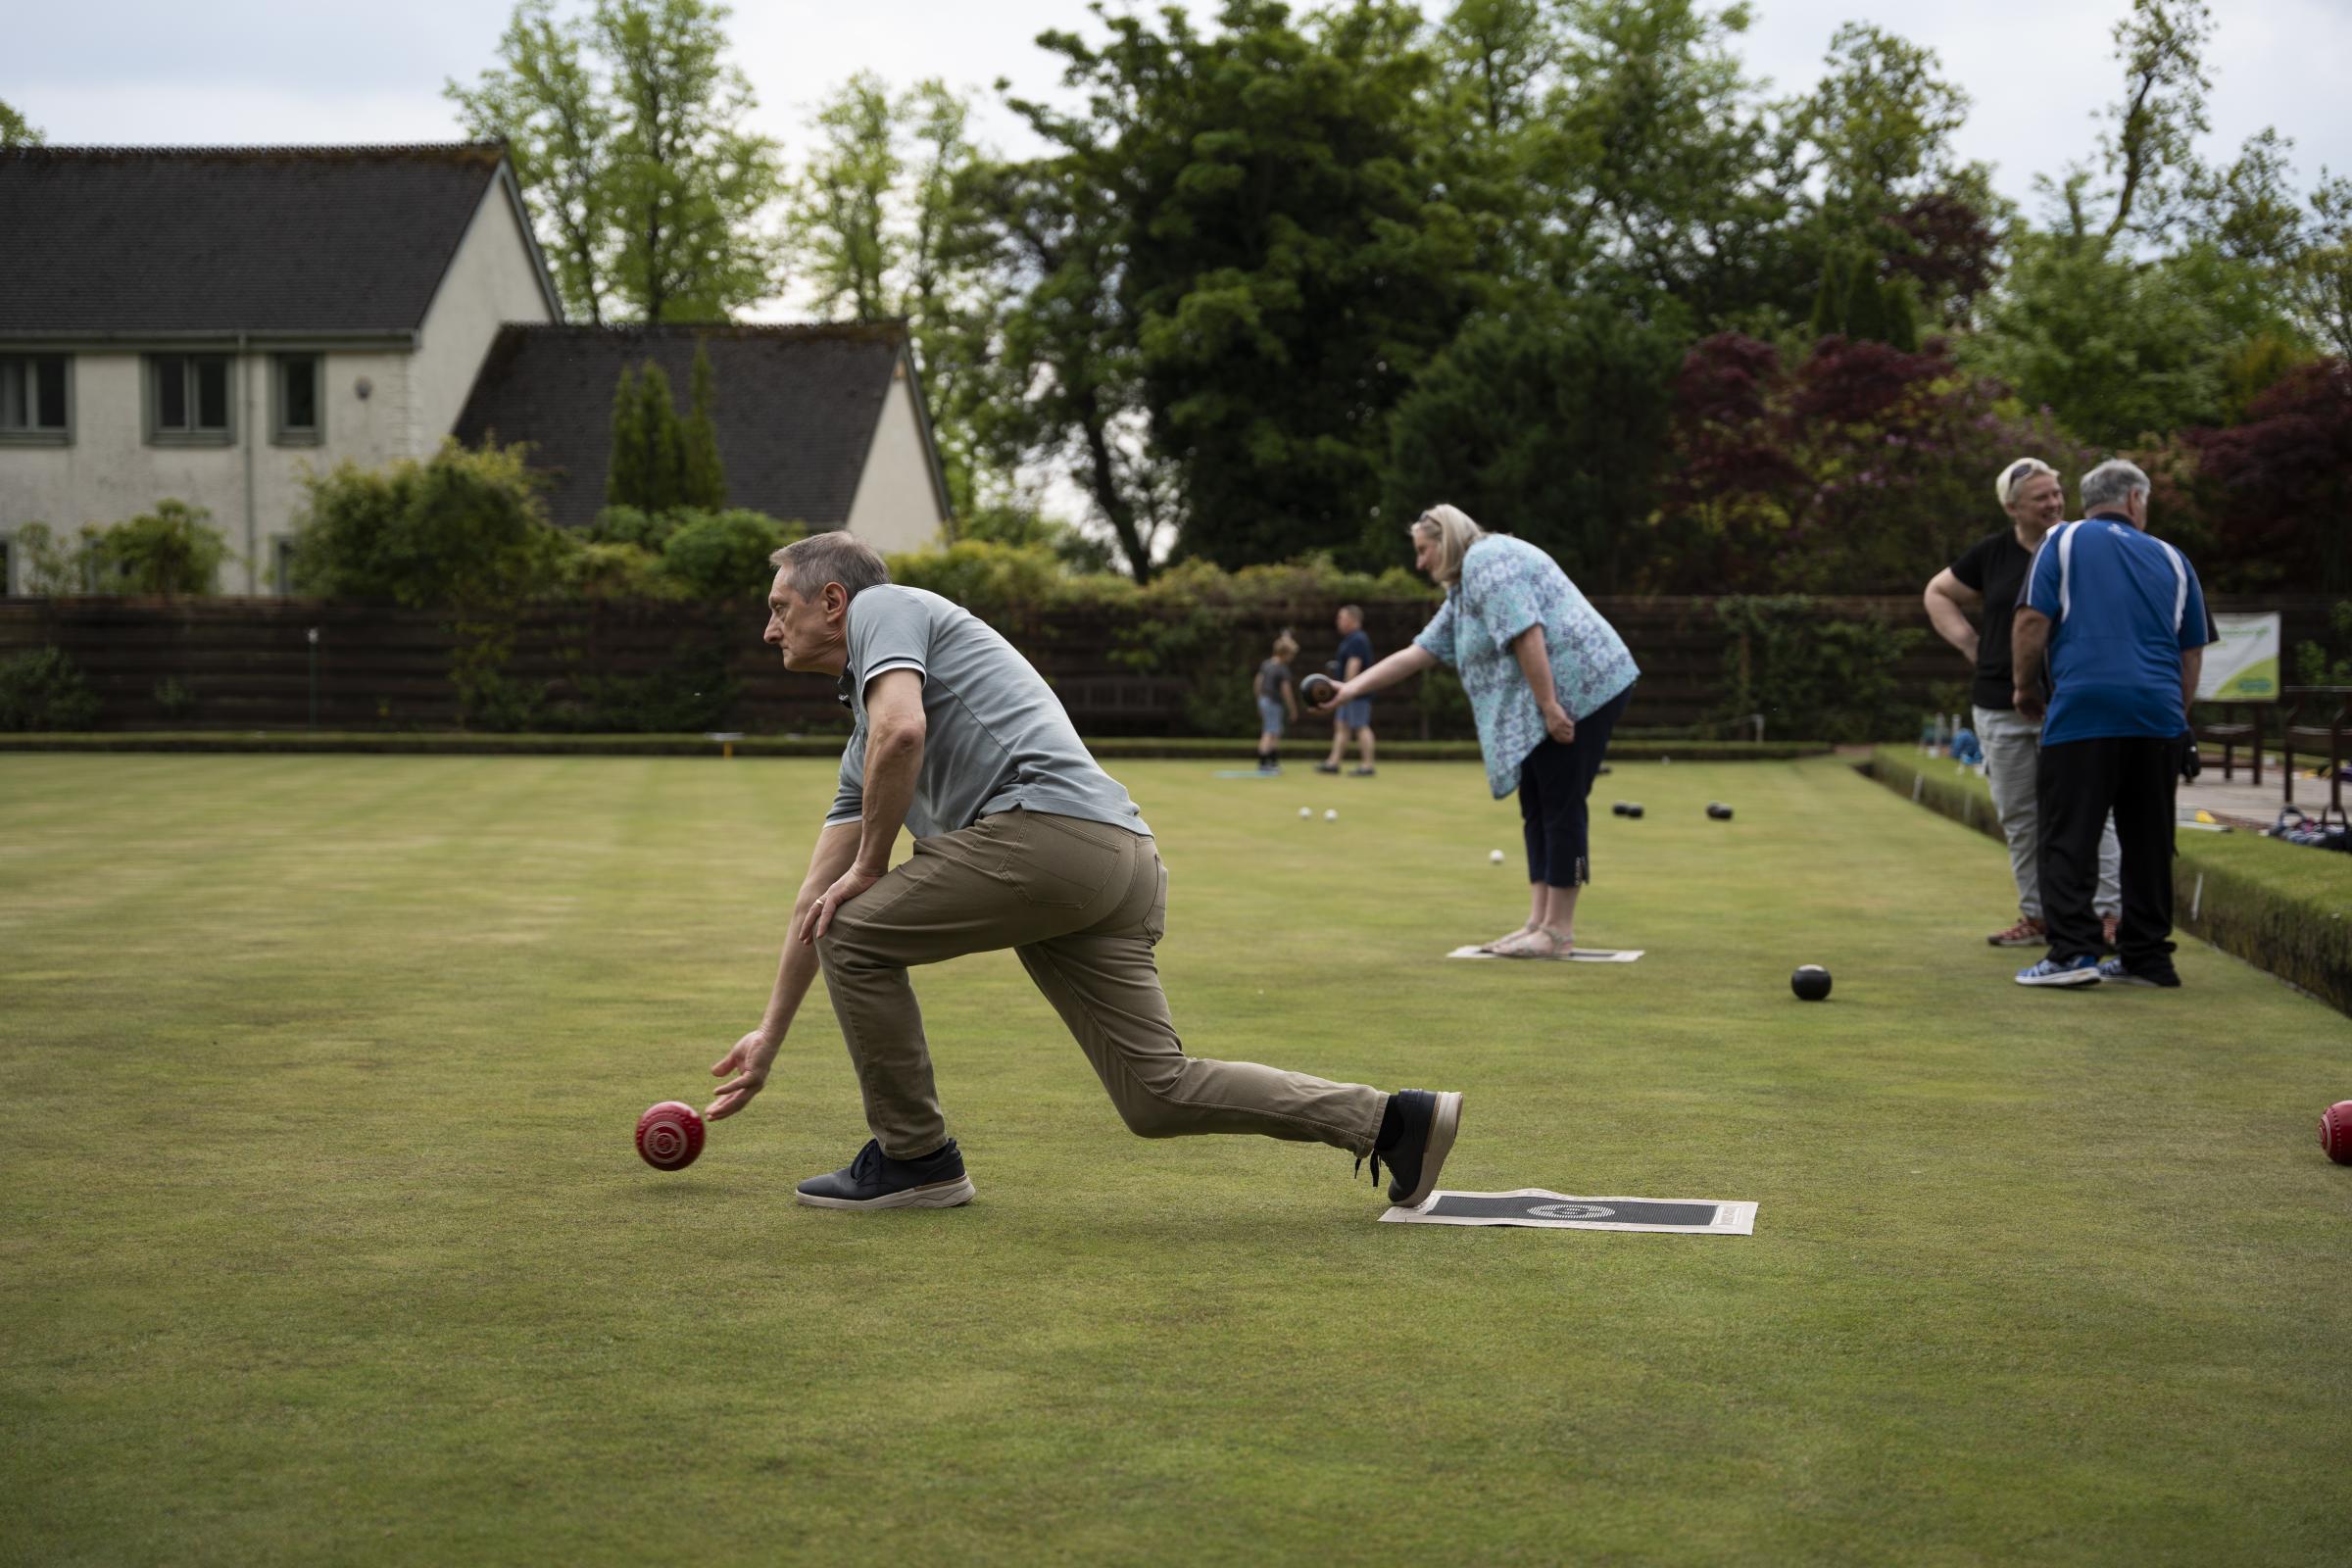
[320,1239]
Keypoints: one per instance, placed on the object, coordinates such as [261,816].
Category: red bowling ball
[669,1135]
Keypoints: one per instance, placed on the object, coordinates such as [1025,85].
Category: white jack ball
[1331,817]
[1494,857]
[1306,810]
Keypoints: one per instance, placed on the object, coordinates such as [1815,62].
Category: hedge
[476,743]
[2280,906]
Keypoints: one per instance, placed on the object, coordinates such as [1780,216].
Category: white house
[206,323]
[211,324]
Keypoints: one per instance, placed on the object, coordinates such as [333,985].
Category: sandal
[1495,946]
[1539,942]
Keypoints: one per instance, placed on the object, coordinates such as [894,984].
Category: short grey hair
[2111,483]
[835,555]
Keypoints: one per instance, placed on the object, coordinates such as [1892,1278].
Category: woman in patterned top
[1547,680]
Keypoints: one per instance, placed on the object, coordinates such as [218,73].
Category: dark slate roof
[795,407]
[125,240]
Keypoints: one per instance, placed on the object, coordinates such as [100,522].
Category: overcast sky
[130,71]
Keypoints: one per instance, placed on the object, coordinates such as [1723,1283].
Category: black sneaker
[1427,1123]
[2112,971]
[1327,768]
[874,1180]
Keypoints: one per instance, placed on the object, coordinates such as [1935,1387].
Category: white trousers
[2012,745]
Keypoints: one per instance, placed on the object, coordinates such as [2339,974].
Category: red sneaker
[2027,933]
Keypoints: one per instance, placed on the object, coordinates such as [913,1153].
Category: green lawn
[321,1238]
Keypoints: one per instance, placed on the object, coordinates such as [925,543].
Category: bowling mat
[1580,955]
[1244,772]
[1534,1207]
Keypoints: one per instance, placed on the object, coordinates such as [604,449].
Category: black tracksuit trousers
[2079,783]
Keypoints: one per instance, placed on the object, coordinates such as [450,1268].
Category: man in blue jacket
[2122,620]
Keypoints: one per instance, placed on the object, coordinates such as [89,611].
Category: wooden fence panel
[249,663]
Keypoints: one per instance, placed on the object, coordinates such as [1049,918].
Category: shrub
[592,569]
[723,555]
[1829,680]
[171,550]
[44,690]
[632,525]
[54,564]
[460,529]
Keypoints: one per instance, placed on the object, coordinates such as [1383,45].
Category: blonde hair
[1286,647]
[1456,533]
[2013,478]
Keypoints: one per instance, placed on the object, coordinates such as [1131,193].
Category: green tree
[550,105]
[628,133]
[703,477]
[18,132]
[2119,349]
[1669,170]
[1877,130]
[664,456]
[1552,425]
[2147,153]
[628,473]
[885,224]
[1068,376]
[655,467]
[1287,262]
[1879,123]
[2320,280]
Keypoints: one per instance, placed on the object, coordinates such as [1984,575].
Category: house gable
[796,417]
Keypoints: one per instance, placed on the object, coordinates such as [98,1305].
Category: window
[188,399]
[35,402]
[8,567]
[282,561]
[295,417]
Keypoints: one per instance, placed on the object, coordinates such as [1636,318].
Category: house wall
[492,280]
[896,506]
[109,472]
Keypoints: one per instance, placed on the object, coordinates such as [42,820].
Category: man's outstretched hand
[748,1062]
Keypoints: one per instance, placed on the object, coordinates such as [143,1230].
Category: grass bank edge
[2282,907]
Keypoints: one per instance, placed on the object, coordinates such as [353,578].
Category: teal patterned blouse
[1507,586]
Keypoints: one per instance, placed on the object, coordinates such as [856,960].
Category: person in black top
[1354,659]
[1990,575]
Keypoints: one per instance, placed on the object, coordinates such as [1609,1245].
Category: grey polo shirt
[996,737]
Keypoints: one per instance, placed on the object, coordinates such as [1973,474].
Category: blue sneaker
[2082,971]
[874,1180]
[2112,969]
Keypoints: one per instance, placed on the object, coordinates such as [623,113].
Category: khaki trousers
[1082,904]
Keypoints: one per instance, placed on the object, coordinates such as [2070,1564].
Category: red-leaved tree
[2279,485]
[1865,469]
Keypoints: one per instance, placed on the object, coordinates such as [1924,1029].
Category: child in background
[1276,699]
